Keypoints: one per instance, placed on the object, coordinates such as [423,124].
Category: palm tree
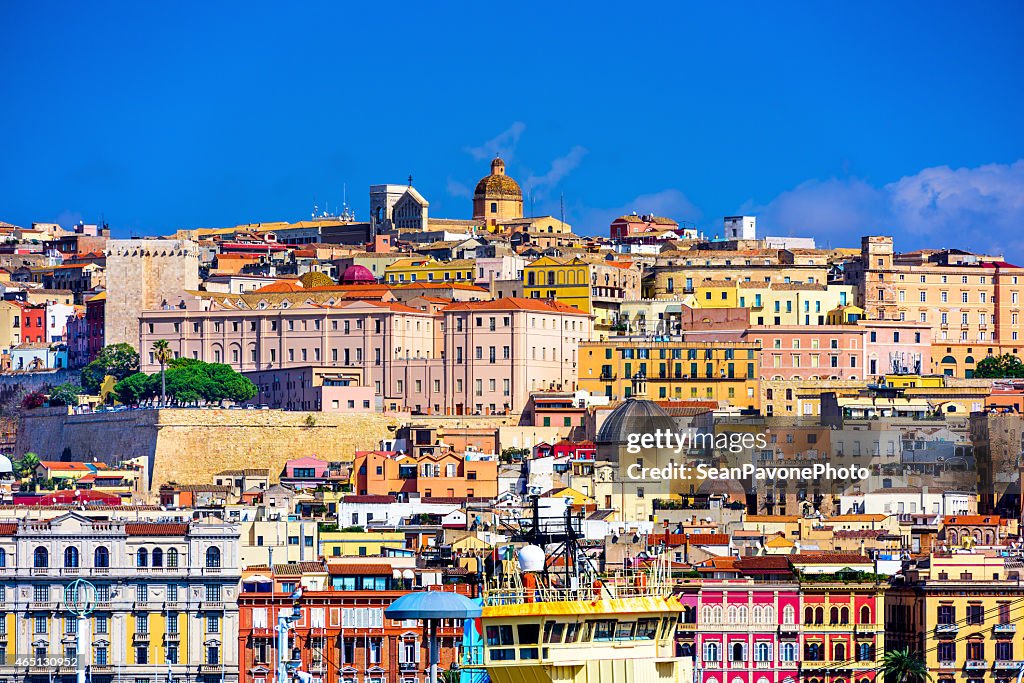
[903,666]
[162,354]
[27,465]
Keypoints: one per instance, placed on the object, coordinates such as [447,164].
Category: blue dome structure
[433,605]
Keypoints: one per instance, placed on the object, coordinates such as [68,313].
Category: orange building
[444,474]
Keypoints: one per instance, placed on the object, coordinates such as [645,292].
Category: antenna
[561,202]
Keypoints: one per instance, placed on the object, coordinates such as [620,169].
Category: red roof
[8,528]
[338,569]
[830,558]
[516,303]
[155,529]
[709,539]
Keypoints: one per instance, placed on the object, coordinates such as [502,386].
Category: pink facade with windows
[747,631]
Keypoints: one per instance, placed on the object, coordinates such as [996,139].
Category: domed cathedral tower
[497,196]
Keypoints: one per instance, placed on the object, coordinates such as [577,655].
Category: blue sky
[824,119]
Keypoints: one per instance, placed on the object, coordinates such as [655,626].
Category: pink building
[819,352]
[889,342]
[747,622]
[480,357]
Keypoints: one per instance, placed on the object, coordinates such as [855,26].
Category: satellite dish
[531,558]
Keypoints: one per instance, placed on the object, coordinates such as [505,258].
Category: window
[213,558]
[172,558]
[101,557]
[142,558]
[40,558]
[71,557]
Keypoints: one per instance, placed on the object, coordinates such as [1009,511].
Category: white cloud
[457,189]
[980,209]
[560,168]
[504,143]
[670,203]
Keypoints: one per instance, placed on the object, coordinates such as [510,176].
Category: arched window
[732,614]
[71,557]
[864,652]
[844,615]
[819,615]
[833,615]
[757,614]
[40,558]
[809,615]
[763,652]
[788,615]
[839,652]
[172,558]
[142,558]
[3,557]
[865,615]
[711,652]
[213,558]
[787,652]
[769,614]
[741,614]
[738,652]
[717,614]
[158,557]
[101,557]
[813,652]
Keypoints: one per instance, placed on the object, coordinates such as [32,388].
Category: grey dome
[634,416]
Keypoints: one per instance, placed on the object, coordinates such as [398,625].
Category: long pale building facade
[479,357]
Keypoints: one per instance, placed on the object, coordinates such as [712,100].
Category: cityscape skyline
[131,149]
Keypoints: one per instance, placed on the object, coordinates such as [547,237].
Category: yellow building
[716,294]
[962,614]
[565,280]
[792,303]
[720,371]
[10,324]
[360,543]
[844,315]
[423,269]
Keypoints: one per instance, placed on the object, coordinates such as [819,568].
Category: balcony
[976,665]
[947,665]
[212,605]
[42,605]
[1009,664]
[408,666]
[947,629]
[1004,629]
[140,636]
[210,668]
[172,637]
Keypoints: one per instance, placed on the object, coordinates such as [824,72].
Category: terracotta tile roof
[763,563]
[718,564]
[8,528]
[973,520]
[282,286]
[368,499]
[709,539]
[828,557]
[155,529]
[857,518]
[516,303]
[298,568]
[65,466]
[361,569]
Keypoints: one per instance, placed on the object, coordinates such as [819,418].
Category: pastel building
[470,357]
[748,623]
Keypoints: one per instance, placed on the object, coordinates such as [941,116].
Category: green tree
[162,354]
[65,395]
[117,360]
[134,389]
[26,467]
[998,367]
[903,666]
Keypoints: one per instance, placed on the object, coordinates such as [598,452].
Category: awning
[257,578]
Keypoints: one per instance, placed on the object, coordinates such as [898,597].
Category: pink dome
[357,275]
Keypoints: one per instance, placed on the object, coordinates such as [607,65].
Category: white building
[740,228]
